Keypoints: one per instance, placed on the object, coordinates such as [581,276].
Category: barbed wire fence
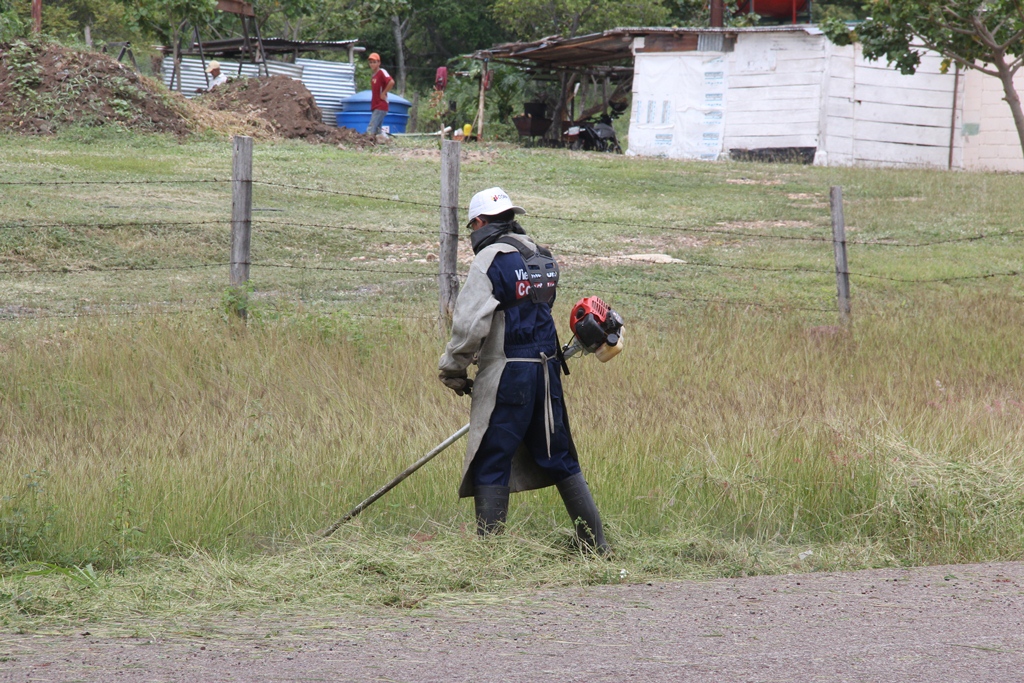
[444,235]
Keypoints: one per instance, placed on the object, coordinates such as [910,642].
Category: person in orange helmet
[381,84]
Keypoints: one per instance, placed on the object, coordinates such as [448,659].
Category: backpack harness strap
[542,270]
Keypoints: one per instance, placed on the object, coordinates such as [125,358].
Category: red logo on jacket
[522,289]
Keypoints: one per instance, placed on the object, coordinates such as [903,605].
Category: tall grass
[196,457]
[901,438]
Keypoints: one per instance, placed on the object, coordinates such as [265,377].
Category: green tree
[689,13]
[985,35]
[400,14]
[534,19]
[845,10]
[11,24]
[167,19]
[284,17]
[71,20]
[444,29]
[421,34]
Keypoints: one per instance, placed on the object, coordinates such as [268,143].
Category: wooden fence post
[839,246]
[241,212]
[448,279]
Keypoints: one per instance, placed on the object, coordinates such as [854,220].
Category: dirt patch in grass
[766,226]
[637,250]
[466,156]
[752,181]
[423,252]
[571,260]
[663,242]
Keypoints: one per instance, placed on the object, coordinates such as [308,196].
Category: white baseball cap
[491,202]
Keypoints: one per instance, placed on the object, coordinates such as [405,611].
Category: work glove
[460,385]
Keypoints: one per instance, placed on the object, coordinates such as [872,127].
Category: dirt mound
[286,104]
[45,87]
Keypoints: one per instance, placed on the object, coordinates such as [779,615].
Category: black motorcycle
[595,135]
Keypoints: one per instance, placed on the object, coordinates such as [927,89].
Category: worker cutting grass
[519,437]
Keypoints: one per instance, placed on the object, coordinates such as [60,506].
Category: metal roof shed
[614,47]
[234,48]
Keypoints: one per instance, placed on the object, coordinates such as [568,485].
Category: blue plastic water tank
[355,112]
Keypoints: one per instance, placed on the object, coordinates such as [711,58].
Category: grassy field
[158,457]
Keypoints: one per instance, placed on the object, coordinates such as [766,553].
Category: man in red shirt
[381,84]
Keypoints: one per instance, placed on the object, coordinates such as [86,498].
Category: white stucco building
[788,90]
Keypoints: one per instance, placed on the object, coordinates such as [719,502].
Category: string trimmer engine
[598,328]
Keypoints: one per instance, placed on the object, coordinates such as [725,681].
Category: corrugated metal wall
[192,75]
[329,82]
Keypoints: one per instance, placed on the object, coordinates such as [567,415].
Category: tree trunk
[88,36]
[986,37]
[575,25]
[554,133]
[398,29]
[175,60]
[293,29]
[1012,98]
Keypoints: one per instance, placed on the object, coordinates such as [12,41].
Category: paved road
[959,623]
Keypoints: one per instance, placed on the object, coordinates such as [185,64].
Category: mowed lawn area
[159,457]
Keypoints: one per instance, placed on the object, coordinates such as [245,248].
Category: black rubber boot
[491,508]
[583,512]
